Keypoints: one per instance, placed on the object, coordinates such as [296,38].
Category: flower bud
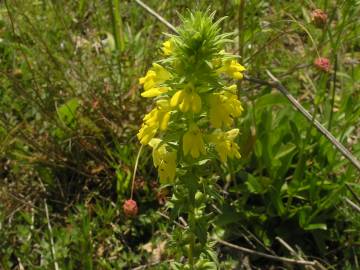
[130,208]
[319,18]
[17,72]
[322,63]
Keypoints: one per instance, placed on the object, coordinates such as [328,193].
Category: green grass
[70,109]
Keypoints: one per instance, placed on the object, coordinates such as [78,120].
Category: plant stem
[191,251]
[241,27]
[333,93]
[191,216]
[117,25]
[117,29]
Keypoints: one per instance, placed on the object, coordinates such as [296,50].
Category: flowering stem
[134,173]
[191,217]
[241,31]
[333,94]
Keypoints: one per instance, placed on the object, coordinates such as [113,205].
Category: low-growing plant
[190,126]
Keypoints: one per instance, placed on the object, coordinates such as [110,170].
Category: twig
[294,253]
[356,197]
[268,256]
[257,240]
[156,15]
[287,246]
[353,205]
[168,218]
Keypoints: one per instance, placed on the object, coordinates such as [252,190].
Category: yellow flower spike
[186,102]
[146,133]
[164,121]
[193,142]
[195,103]
[218,113]
[162,74]
[167,47]
[157,118]
[232,88]
[177,98]
[163,113]
[163,104]
[224,144]
[232,134]
[234,105]
[154,92]
[233,69]
[151,116]
[164,160]
[224,107]
[153,78]
[148,79]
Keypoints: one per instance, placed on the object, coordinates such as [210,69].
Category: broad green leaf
[317,226]
[271,99]
[67,112]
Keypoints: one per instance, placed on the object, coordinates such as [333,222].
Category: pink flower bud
[322,63]
[130,208]
[319,18]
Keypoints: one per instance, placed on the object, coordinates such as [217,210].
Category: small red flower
[322,63]
[130,208]
[95,104]
[319,18]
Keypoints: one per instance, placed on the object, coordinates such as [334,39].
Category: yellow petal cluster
[233,69]
[152,80]
[164,160]
[224,107]
[224,144]
[186,100]
[193,142]
[167,47]
[158,118]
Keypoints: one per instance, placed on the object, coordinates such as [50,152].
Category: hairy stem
[191,220]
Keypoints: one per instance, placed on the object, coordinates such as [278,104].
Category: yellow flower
[187,100]
[193,142]
[164,160]
[158,118]
[146,133]
[233,69]
[152,80]
[218,115]
[167,47]
[224,107]
[224,144]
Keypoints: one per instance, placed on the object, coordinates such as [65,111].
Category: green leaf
[270,100]
[257,185]
[285,150]
[318,226]
[67,112]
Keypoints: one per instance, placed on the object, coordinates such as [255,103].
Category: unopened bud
[130,208]
[319,18]
[322,63]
